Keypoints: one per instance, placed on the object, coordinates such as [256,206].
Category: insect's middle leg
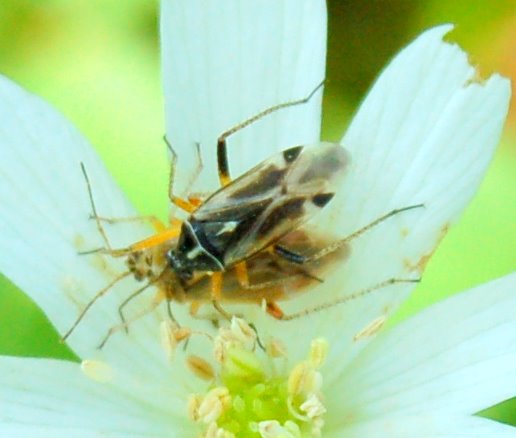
[242,275]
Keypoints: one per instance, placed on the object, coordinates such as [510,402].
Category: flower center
[253,393]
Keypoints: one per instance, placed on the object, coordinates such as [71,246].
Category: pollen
[97,370]
[254,393]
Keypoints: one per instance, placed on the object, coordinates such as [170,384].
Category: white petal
[44,222]
[425,134]
[224,62]
[43,396]
[426,426]
[456,357]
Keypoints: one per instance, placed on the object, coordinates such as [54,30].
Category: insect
[252,224]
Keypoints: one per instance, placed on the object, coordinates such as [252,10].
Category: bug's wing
[271,199]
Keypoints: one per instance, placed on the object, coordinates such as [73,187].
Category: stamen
[214,404]
[171,336]
[313,407]
[248,396]
[216,432]
[275,349]
[200,367]
[318,352]
[371,329]
[273,429]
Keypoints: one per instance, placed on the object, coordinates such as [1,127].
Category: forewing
[271,199]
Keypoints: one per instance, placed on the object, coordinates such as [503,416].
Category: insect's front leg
[164,233]
[216,294]
[124,325]
[156,223]
[92,301]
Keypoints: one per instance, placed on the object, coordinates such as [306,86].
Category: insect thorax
[193,252]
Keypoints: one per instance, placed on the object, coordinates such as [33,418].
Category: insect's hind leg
[183,204]
[242,275]
[345,299]
[301,259]
[222,156]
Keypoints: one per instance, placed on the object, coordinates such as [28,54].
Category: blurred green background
[98,62]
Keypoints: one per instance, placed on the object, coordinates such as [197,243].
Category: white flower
[425,134]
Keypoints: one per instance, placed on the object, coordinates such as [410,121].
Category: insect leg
[216,291]
[128,300]
[289,255]
[216,285]
[183,204]
[163,233]
[153,220]
[125,324]
[156,239]
[242,274]
[221,310]
[274,310]
[222,157]
[194,308]
[90,303]
[243,278]
[342,300]
[170,314]
[300,259]
[94,215]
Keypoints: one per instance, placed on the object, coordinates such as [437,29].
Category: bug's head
[189,256]
[180,265]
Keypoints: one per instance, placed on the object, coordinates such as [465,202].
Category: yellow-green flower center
[251,398]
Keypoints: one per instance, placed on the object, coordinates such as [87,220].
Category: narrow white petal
[426,426]
[40,395]
[225,61]
[425,134]
[456,357]
[44,223]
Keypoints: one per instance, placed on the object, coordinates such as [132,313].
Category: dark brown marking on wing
[291,154]
[290,209]
[321,199]
[266,180]
[244,216]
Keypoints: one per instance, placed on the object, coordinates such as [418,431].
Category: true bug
[254,219]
